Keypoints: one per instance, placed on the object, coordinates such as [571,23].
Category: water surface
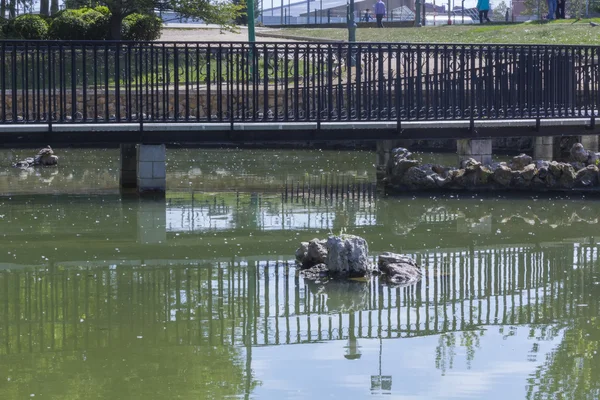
[197,295]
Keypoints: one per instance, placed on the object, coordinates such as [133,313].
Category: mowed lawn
[557,32]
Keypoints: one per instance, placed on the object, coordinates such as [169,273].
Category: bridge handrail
[54,82]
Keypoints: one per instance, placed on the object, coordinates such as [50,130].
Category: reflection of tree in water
[572,369]
[123,332]
[445,351]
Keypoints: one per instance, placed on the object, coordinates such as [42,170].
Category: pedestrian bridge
[128,92]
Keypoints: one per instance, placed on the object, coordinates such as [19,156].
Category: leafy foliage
[142,27]
[499,11]
[220,13]
[81,24]
[27,26]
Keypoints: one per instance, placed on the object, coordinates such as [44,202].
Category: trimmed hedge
[27,26]
[81,24]
[141,27]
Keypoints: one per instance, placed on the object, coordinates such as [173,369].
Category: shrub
[68,26]
[141,27]
[27,26]
[103,10]
[81,24]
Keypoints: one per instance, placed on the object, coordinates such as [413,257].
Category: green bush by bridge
[80,24]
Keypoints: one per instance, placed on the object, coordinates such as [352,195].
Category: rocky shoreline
[580,173]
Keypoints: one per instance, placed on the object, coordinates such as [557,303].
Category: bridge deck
[190,132]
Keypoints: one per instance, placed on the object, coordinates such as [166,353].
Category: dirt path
[211,34]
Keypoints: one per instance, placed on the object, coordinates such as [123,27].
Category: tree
[210,11]
[45,7]
[499,12]
[242,19]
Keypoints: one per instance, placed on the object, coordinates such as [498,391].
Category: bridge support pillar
[478,149]
[589,142]
[128,176]
[543,148]
[143,167]
[151,168]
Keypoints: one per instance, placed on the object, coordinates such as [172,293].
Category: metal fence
[103,82]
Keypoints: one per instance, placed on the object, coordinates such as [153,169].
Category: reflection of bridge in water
[70,306]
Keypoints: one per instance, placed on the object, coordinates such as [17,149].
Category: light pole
[417,14]
[251,33]
[351,23]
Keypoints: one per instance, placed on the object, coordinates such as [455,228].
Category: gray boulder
[399,269]
[567,178]
[593,158]
[400,167]
[312,253]
[578,153]
[521,161]
[555,169]
[419,178]
[502,175]
[587,176]
[348,256]
[528,172]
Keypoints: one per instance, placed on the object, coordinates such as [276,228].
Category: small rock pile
[44,157]
[347,257]
[522,173]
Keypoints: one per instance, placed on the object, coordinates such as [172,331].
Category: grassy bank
[556,32]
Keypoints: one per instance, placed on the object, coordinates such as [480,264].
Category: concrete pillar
[543,148]
[589,142]
[152,221]
[478,149]
[151,173]
[128,176]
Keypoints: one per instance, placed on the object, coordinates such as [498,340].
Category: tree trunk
[116,23]
[3,8]
[12,9]
[44,7]
[54,7]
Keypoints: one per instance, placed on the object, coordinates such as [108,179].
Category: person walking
[380,12]
[484,7]
[560,9]
[551,10]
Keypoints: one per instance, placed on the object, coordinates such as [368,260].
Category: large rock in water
[348,256]
[399,269]
[312,253]
[521,161]
[578,153]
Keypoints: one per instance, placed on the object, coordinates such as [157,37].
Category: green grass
[556,32]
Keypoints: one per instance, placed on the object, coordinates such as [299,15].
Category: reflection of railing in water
[51,308]
[336,189]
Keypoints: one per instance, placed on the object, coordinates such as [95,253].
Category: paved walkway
[211,33]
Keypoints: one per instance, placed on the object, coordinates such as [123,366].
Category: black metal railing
[102,82]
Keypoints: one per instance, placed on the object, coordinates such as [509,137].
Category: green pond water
[197,296]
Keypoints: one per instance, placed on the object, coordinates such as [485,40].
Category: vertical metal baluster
[187,83]
[208,83]
[106,84]
[14,85]
[175,82]
[73,84]
[286,92]
[276,61]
